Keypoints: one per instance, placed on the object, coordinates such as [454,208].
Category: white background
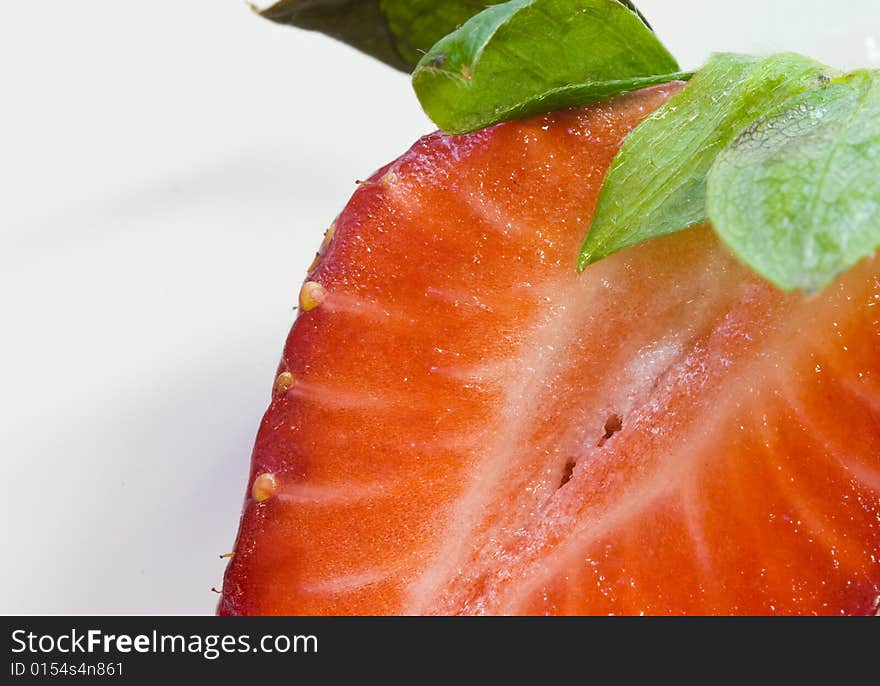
[167,169]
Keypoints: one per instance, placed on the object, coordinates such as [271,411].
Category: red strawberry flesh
[472,426]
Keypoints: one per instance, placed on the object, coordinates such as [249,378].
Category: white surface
[167,170]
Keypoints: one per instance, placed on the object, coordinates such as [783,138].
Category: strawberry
[464,424]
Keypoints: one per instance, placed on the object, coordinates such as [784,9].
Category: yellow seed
[311,295]
[226,556]
[328,237]
[283,383]
[264,487]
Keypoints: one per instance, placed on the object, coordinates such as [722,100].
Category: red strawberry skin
[469,426]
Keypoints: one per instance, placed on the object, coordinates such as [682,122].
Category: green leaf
[797,195]
[657,182]
[526,57]
[419,24]
[398,32]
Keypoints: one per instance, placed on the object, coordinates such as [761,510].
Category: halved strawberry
[463,423]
